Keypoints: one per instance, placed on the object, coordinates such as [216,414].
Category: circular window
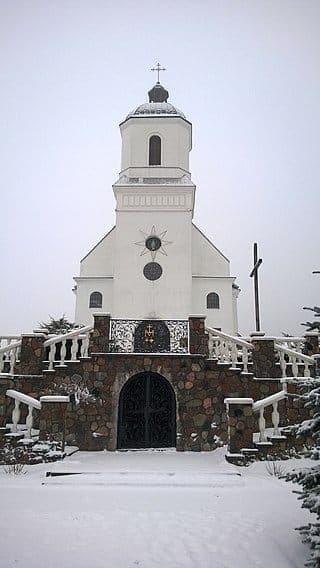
[153,243]
[152,271]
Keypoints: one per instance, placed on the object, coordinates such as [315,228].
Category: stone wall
[94,385]
[200,387]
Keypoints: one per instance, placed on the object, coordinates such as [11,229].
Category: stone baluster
[234,354]
[262,426]
[51,357]
[85,345]
[211,346]
[12,359]
[294,365]
[63,353]
[2,361]
[74,349]
[245,358]
[283,364]
[16,416]
[275,419]
[29,420]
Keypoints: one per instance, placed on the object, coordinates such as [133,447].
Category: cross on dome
[158,68]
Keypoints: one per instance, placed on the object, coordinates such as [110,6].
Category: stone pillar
[52,419]
[31,354]
[99,338]
[5,384]
[317,364]
[198,338]
[240,424]
[311,344]
[264,358]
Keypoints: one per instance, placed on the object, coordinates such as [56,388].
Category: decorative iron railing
[151,336]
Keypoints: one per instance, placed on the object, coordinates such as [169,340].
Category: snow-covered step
[144,479]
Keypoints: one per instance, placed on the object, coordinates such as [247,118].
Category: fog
[245,73]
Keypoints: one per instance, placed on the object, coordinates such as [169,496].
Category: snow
[150,509]
[54,398]
[24,398]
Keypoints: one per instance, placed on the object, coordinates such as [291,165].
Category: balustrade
[6,340]
[295,343]
[229,349]
[9,355]
[32,403]
[260,407]
[74,345]
[293,363]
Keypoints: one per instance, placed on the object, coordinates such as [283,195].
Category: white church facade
[155,263]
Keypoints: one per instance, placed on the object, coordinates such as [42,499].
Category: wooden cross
[254,273]
[158,68]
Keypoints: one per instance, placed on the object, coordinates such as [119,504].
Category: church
[156,360]
[155,263]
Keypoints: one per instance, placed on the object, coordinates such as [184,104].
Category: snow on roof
[155,109]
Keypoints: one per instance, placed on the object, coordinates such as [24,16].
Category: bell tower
[156,139]
[155,202]
[155,264]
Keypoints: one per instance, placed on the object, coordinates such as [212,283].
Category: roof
[151,109]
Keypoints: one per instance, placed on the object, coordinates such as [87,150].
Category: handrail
[69,335]
[11,346]
[288,351]
[234,339]
[24,398]
[269,400]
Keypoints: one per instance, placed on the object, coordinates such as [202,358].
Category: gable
[207,260]
[100,260]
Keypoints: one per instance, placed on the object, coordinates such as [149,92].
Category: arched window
[95,300]
[155,151]
[213,301]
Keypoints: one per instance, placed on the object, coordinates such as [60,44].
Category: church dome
[157,104]
[151,109]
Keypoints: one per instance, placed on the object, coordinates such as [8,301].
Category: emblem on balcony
[152,337]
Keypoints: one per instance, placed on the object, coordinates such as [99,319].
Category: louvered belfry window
[155,151]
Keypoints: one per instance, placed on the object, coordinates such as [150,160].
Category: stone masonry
[94,384]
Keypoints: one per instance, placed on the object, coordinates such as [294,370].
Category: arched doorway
[147,413]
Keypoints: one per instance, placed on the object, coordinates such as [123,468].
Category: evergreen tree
[313,325]
[58,326]
[309,478]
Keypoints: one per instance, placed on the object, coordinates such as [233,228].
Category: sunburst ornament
[153,242]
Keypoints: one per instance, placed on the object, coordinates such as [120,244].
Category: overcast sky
[245,73]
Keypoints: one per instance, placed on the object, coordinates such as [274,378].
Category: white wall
[207,260]
[134,295]
[100,260]
[85,286]
[224,316]
[175,134]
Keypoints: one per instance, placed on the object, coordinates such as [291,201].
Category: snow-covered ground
[150,509]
